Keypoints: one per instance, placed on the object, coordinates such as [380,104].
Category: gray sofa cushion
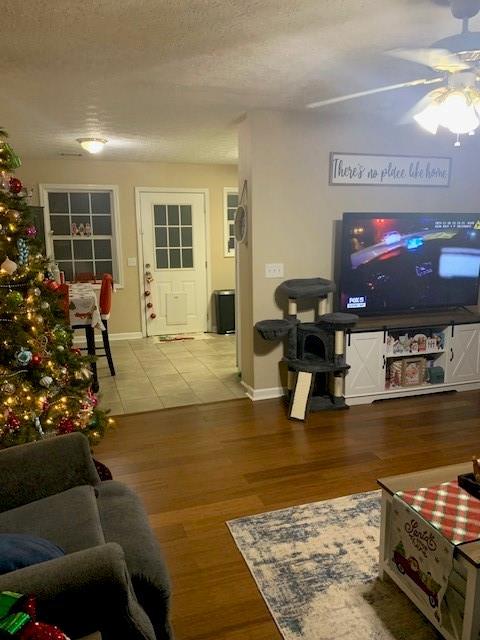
[69,519]
[125,521]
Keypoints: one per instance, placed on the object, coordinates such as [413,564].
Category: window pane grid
[75,217]
[230,208]
[173,236]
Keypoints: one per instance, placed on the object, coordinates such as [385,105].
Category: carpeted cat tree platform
[315,350]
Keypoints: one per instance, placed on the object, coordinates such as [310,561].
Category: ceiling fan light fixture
[92,145]
[429,118]
[458,114]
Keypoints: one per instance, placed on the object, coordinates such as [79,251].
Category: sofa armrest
[36,470]
[83,592]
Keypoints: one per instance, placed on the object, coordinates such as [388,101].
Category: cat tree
[315,351]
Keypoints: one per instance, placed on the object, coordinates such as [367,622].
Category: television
[403,262]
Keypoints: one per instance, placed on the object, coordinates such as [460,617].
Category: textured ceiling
[169,79]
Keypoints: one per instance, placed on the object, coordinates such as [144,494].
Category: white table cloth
[83,306]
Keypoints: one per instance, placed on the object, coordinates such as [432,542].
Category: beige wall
[128,175]
[293,209]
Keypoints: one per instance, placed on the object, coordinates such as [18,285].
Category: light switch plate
[274,270]
[132,262]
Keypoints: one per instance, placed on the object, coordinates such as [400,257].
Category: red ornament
[15,185]
[149,305]
[13,423]
[76,351]
[36,360]
[147,293]
[41,631]
[66,425]
[153,316]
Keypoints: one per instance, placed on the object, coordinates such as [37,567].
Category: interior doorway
[173,238]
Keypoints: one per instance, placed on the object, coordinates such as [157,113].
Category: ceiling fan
[455,104]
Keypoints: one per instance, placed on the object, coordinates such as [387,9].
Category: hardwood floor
[196,467]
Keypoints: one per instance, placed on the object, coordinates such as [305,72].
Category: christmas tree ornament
[23,356]
[46,381]
[65,425]
[12,422]
[36,360]
[15,185]
[31,231]
[45,305]
[60,346]
[8,266]
[36,292]
[13,215]
[8,388]
[13,300]
[38,426]
[83,374]
[23,251]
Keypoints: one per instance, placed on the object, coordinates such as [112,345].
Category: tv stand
[413,354]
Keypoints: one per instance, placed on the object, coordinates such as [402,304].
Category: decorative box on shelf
[409,342]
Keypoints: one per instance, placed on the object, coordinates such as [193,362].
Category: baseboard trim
[79,337]
[263,394]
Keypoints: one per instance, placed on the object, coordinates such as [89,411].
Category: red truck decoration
[411,568]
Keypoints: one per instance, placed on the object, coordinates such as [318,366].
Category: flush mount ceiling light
[92,145]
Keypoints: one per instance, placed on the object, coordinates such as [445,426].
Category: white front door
[173,230]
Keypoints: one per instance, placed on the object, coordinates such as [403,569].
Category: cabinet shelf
[414,353]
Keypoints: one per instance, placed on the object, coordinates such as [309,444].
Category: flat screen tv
[401,262]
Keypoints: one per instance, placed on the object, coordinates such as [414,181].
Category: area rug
[316,568]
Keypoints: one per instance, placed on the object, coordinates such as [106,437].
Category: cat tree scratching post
[315,350]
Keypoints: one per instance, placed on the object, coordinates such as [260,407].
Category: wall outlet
[132,262]
[274,270]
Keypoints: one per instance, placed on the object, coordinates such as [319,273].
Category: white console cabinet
[399,359]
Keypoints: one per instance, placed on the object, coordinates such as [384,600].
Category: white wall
[293,208]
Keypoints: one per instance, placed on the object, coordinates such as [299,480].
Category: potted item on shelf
[432,344]
[413,372]
[390,344]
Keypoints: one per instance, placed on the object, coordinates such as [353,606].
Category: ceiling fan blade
[369,92]
[438,59]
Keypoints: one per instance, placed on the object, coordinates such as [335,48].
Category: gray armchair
[113,578]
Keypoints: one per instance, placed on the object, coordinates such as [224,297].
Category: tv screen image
[393,262]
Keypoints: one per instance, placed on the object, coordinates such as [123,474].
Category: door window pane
[175,258]
[186,214]
[186,236]
[79,202]
[62,249]
[161,236]
[160,214]
[100,202]
[103,249]
[58,202]
[82,249]
[172,211]
[187,258]
[173,237]
[60,225]
[162,258]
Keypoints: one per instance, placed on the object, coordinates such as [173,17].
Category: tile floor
[153,375]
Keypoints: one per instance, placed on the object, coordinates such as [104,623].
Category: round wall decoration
[241,216]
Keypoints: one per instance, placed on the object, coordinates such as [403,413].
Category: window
[173,236]
[230,204]
[83,229]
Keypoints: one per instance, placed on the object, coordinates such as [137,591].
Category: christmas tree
[45,384]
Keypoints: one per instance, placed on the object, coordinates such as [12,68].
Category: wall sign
[361,169]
